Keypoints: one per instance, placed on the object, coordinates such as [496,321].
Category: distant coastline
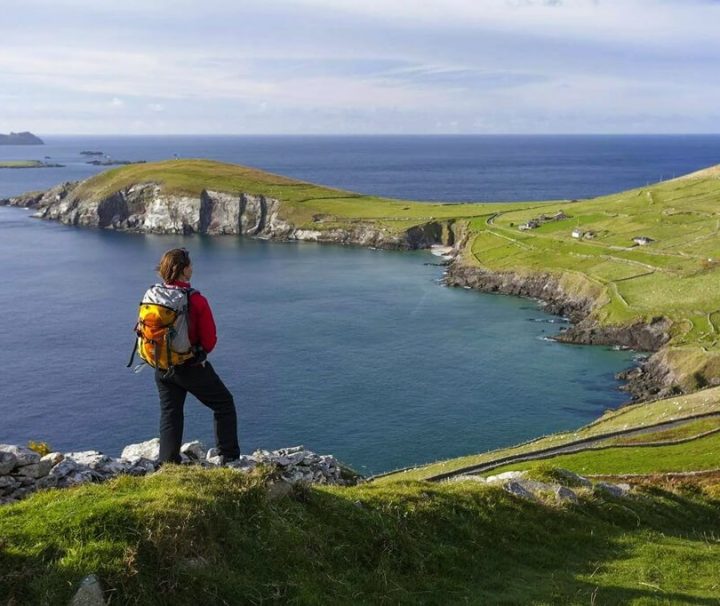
[23,138]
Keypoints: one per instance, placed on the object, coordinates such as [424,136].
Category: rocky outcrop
[566,488]
[24,471]
[147,208]
[651,379]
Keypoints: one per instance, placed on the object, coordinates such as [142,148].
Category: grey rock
[143,450]
[615,490]
[35,470]
[516,488]
[564,494]
[90,593]
[76,478]
[8,484]
[64,468]
[141,467]
[47,482]
[194,450]
[24,456]
[8,461]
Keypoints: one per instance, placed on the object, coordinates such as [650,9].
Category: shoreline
[648,380]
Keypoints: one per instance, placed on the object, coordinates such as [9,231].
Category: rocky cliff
[147,208]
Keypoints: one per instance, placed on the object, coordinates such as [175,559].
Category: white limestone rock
[195,451]
[144,450]
[508,475]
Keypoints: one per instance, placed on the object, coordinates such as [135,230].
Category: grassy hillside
[188,536]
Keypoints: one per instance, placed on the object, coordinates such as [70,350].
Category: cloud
[116,102]
[156,107]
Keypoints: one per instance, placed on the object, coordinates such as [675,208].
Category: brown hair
[172,264]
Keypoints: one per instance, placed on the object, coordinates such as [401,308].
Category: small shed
[577,233]
[642,240]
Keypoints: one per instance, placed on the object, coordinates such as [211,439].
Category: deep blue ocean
[356,352]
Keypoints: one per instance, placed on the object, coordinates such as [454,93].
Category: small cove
[357,352]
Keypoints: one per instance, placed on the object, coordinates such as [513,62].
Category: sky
[360,66]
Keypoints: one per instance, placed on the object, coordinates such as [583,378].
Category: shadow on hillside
[485,547]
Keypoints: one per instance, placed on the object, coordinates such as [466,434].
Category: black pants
[206,386]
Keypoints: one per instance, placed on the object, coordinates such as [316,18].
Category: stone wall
[24,471]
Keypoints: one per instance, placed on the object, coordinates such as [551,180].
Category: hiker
[183,367]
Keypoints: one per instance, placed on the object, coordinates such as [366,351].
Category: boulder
[144,450]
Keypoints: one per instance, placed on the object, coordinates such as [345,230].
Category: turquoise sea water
[356,352]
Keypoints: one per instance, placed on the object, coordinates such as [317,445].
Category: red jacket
[202,324]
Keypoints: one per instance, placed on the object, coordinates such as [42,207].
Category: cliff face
[147,208]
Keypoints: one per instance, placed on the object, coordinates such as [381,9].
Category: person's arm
[201,315]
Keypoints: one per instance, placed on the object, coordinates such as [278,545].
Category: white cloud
[156,107]
[116,102]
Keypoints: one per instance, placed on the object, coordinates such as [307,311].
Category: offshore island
[23,138]
[623,510]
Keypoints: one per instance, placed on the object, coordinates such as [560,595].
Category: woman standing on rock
[186,369]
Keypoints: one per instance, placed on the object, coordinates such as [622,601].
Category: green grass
[188,536]
[696,455]
[21,164]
